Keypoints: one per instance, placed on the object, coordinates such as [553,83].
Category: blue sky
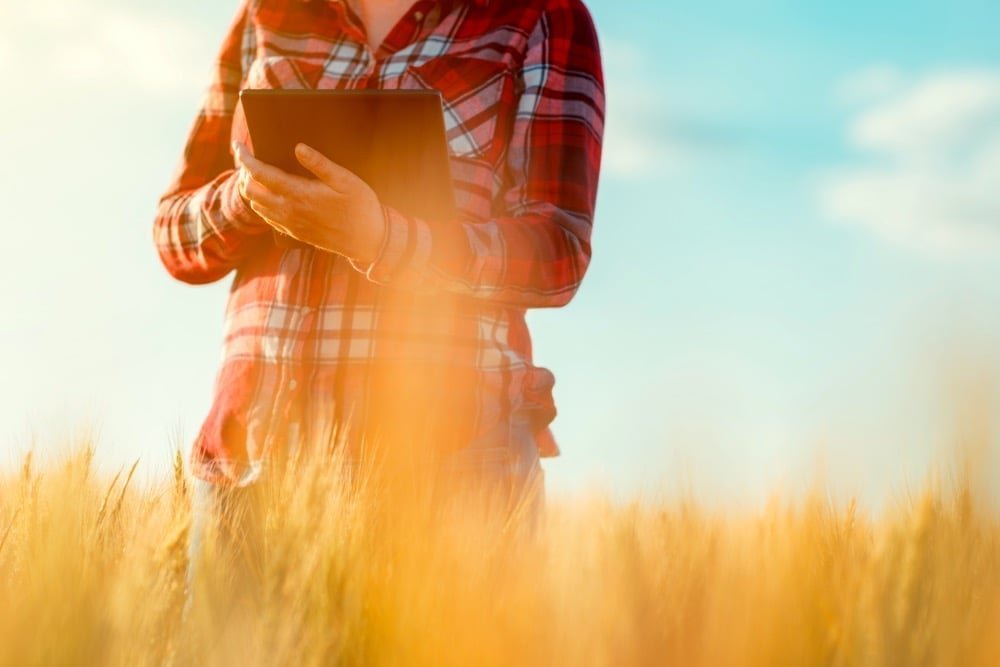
[795,257]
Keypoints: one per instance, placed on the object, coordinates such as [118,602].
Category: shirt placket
[294,415]
[406,31]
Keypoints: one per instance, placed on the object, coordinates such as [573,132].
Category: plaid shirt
[428,343]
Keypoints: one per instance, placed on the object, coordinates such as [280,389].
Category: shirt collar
[477,3]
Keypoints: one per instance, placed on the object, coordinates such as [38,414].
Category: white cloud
[94,44]
[870,84]
[635,140]
[933,182]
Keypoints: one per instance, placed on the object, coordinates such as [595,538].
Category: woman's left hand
[337,212]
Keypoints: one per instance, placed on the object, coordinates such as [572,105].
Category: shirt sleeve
[203,228]
[536,254]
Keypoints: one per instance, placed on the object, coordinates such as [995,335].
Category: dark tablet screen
[393,139]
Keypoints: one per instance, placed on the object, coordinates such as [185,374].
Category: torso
[309,340]
[379,17]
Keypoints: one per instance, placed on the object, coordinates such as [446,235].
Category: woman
[376,326]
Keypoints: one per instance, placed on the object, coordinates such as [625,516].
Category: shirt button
[293,385]
[418,15]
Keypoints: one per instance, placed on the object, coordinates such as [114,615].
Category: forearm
[533,250]
[201,234]
[203,228]
[535,260]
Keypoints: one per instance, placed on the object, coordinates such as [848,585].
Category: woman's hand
[338,212]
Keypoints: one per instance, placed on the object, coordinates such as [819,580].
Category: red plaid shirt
[428,343]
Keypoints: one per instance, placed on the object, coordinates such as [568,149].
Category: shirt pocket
[268,73]
[285,73]
[477,96]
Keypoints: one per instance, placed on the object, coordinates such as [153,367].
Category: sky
[796,250]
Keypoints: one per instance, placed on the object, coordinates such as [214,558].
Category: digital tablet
[393,139]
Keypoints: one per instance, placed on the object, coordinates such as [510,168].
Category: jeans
[505,462]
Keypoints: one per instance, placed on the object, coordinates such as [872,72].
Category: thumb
[319,165]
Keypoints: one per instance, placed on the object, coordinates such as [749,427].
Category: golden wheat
[94,573]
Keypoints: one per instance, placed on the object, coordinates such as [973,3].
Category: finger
[322,167]
[243,183]
[243,180]
[239,151]
[255,191]
[274,178]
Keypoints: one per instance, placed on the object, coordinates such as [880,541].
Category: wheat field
[94,574]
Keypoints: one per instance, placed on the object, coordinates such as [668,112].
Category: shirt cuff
[404,253]
[236,210]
